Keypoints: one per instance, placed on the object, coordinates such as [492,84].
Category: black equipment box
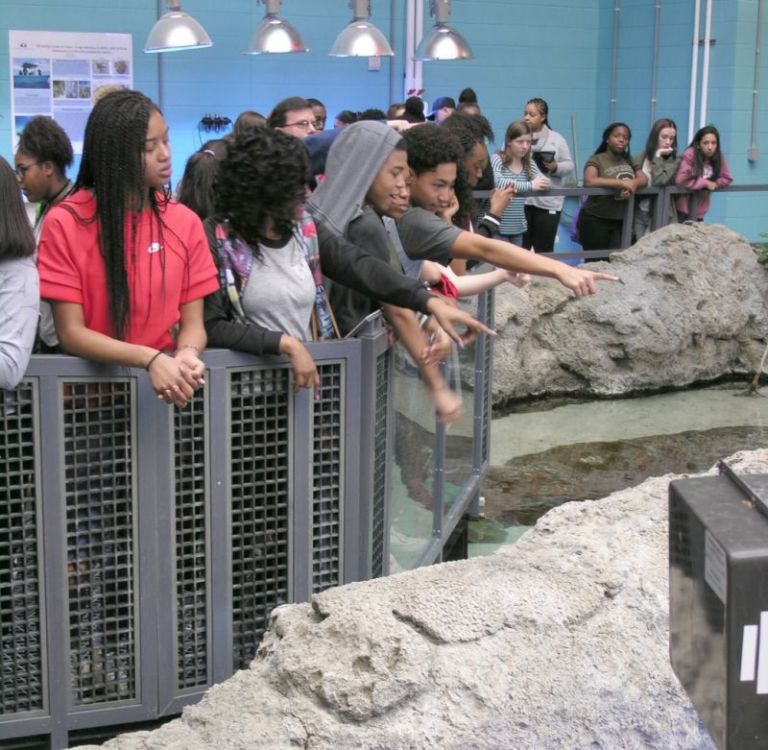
[718,603]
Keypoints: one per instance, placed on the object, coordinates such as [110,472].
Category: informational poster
[57,73]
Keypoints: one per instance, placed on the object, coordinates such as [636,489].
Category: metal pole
[614,61]
[160,70]
[705,66]
[576,172]
[694,69]
[753,152]
[655,63]
[392,33]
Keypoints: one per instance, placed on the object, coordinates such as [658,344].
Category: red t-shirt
[168,264]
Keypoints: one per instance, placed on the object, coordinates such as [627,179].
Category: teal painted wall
[557,49]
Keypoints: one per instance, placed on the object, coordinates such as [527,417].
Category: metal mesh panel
[378,511]
[99,496]
[191,548]
[260,471]
[326,478]
[21,686]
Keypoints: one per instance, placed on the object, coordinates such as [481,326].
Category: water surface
[543,457]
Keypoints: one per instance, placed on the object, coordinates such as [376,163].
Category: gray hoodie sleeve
[19,311]
[350,265]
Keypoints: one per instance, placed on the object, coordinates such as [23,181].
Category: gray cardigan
[19,310]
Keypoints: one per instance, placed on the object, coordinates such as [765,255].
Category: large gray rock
[691,307]
[559,641]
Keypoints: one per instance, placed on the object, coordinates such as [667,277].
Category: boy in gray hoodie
[366,178]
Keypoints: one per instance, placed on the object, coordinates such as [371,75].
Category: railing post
[627,228]
[693,205]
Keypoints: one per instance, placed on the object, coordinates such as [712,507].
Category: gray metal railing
[662,213]
[142,548]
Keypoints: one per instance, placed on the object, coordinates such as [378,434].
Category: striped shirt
[513,219]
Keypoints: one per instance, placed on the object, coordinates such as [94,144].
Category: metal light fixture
[176,30]
[274,35]
[443,42]
[360,38]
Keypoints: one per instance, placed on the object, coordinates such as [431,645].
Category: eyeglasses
[301,124]
[22,169]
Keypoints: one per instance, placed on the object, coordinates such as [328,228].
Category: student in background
[294,116]
[42,158]
[196,187]
[19,287]
[433,154]
[703,168]
[659,162]
[320,113]
[468,104]
[247,121]
[126,268]
[553,157]
[611,166]
[514,166]
[271,297]
[366,180]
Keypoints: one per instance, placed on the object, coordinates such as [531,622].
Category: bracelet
[189,346]
[154,357]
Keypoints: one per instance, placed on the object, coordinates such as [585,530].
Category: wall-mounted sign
[57,73]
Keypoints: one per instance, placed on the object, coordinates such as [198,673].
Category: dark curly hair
[469,130]
[429,146]
[372,114]
[45,140]
[261,180]
[414,110]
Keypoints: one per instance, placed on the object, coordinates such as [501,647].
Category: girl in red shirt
[120,233]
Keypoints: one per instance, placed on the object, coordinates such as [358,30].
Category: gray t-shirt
[426,236]
[280,292]
[412,268]
[19,306]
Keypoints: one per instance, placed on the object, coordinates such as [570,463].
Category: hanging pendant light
[274,35]
[443,42]
[360,38]
[176,30]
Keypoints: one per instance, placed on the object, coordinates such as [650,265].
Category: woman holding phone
[553,157]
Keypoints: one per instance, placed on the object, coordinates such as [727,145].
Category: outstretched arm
[345,262]
[469,284]
[513,258]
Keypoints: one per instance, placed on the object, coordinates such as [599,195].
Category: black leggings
[542,229]
[599,234]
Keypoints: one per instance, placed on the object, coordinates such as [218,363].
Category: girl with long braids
[120,233]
